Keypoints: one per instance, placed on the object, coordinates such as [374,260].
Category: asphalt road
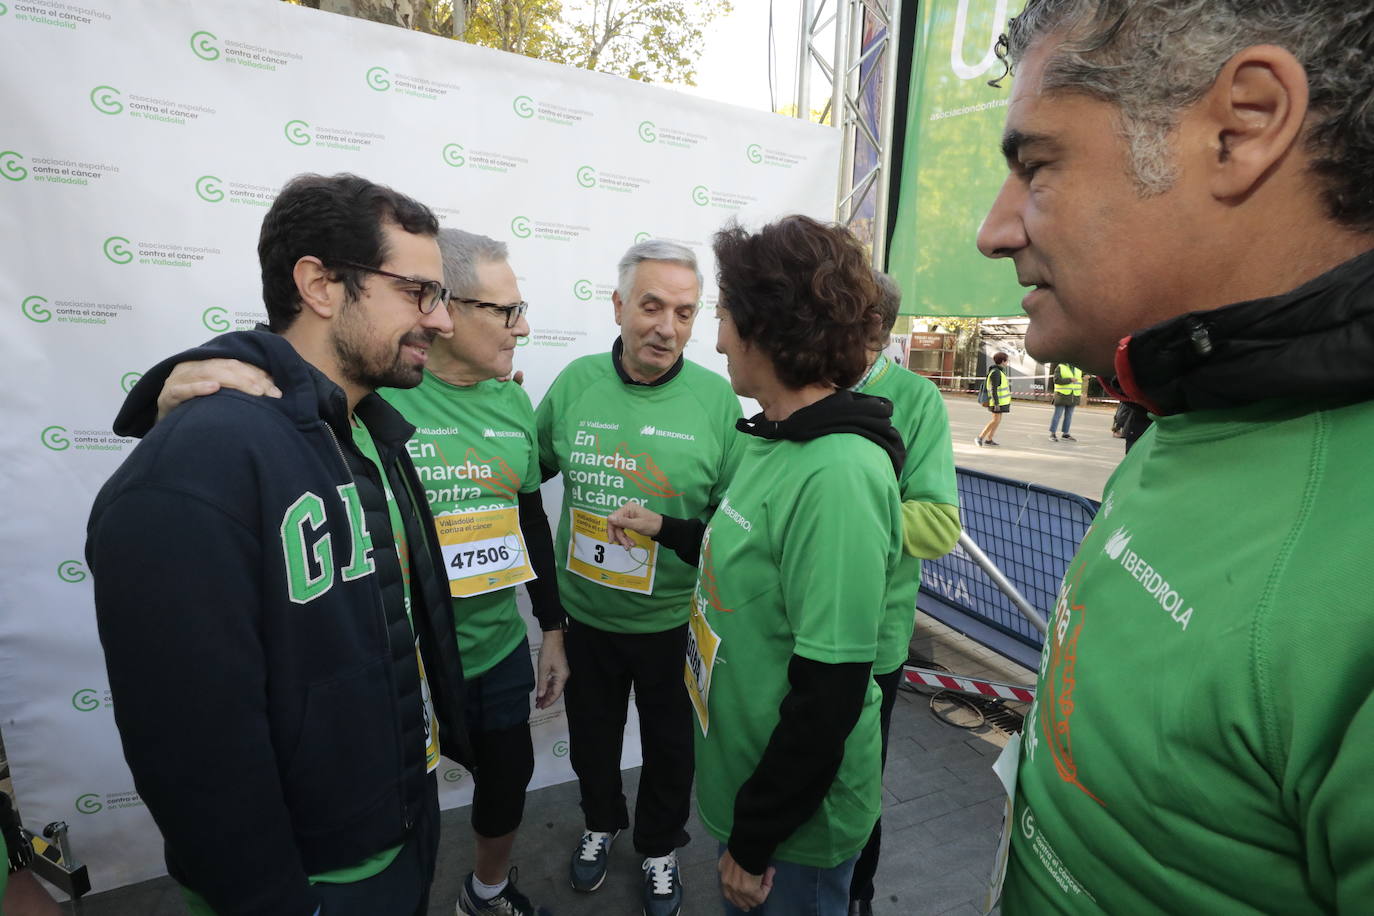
[1025,451]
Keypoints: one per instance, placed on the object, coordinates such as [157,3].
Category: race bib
[483,551]
[1008,762]
[703,644]
[592,556]
[431,721]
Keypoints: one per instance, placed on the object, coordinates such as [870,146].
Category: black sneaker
[1067,438]
[588,867]
[510,902]
[662,886]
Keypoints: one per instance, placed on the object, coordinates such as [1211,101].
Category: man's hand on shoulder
[201,377]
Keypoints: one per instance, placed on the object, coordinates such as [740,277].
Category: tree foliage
[648,40]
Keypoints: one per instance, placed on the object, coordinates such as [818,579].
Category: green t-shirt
[795,561]
[1203,734]
[919,414]
[672,447]
[474,449]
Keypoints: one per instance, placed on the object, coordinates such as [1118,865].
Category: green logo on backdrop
[560,748]
[201,45]
[128,380]
[754,153]
[700,195]
[3,9]
[88,804]
[642,237]
[453,155]
[522,341]
[296,132]
[115,250]
[582,289]
[523,105]
[71,571]
[586,176]
[647,132]
[377,79]
[520,227]
[85,699]
[105,99]
[215,319]
[208,189]
[34,311]
[53,438]
[453,774]
[10,167]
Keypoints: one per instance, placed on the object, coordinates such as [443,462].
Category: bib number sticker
[483,551]
[592,556]
[1008,762]
[703,645]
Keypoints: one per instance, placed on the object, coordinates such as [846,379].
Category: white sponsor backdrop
[140,145]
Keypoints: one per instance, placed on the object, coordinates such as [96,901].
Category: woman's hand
[742,889]
[636,518]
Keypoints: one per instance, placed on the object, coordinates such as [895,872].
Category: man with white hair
[1190,200]
[638,423]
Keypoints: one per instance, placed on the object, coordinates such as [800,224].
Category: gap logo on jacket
[308,547]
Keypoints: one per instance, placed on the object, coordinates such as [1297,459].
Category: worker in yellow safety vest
[995,396]
[1068,389]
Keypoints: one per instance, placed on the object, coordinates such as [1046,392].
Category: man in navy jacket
[270,598]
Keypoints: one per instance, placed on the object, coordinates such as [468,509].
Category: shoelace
[592,841]
[660,874]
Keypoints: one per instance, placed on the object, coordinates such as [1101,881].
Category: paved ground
[1026,452]
[942,813]
[942,803]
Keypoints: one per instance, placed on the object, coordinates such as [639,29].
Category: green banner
[953,165]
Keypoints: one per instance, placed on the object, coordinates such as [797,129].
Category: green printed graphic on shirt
[473,450]
[671,447]
[1236,592]
[795,562]
[919,414]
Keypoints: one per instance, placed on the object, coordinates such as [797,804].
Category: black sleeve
[801,759]
[543,591]
[178,607]
[683,537]
[546,472]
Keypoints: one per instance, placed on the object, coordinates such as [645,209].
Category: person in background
[1068,389]
[795,567]
[998,395]
[1130,422]
[930,529]
[1189,199]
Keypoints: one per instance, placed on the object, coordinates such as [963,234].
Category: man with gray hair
[638,423]
[1190,201]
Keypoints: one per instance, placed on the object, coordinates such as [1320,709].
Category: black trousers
[403,886]
[861,885]
[604,667]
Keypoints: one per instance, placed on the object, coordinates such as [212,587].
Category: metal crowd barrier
[1027,534]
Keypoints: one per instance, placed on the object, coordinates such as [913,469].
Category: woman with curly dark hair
[793,571]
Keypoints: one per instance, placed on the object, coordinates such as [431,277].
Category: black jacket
[272,723]
[1313,343]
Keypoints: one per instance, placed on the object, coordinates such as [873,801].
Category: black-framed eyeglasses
[511,312]
[427,297]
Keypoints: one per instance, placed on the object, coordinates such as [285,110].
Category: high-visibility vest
[1068,380]
[999,393]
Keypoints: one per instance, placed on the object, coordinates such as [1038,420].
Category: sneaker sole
[588,890]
